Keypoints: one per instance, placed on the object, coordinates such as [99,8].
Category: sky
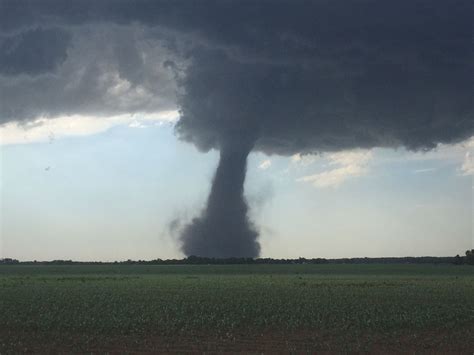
[157,129]
[103,196]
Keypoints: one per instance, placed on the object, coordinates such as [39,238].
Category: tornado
[224,229]
[316,78]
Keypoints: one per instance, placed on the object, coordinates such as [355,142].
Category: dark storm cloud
[108,70]
[33,52]
[281,77]
[295,75]
[329,77]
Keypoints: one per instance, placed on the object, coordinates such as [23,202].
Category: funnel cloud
[224,229]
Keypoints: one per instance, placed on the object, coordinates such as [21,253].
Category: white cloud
[350,164]
[136,124]
[461,153]
[353,157]
[265,164]
[467,167]
[296,158]
[48,129]
[303,160]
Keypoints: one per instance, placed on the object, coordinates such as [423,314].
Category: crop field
[248,308]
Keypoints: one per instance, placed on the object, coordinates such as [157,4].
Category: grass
[357,307]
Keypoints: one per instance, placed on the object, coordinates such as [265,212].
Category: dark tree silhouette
[470,257]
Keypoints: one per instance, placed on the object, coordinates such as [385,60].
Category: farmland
[216,308]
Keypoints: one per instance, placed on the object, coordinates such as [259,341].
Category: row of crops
[135,302]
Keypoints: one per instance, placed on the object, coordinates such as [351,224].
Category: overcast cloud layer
[290,76]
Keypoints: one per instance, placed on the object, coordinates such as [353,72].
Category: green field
[236,308]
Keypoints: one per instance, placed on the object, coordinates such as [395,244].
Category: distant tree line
[196,260]
[8,261]
[467,259]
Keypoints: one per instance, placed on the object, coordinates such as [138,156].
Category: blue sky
[111,194]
